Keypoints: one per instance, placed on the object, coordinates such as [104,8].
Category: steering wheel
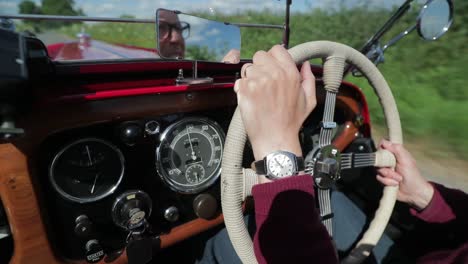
[237,182]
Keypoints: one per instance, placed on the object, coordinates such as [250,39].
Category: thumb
[308,84]
[401,154]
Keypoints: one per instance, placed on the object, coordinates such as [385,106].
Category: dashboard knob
[83,226]
[131,133]
[94,251]
[205,206]
[171,214]
[152,127]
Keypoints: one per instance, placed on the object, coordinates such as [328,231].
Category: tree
[59,7]
[50,7]
[28,7]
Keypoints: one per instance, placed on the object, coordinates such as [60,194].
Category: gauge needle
[89,156]
[191,147]
[278,163]
[94,184]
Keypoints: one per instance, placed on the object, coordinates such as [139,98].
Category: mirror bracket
[397,38]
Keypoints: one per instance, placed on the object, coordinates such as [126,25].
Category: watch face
[280,165]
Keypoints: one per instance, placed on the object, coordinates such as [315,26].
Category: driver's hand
[414,188]
[274,100]
[232,57]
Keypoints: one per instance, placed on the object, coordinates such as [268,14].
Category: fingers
[401,154]
[390,174]
[233,56]
[387,181]
[263,58]
[237,86]
[244,69]
[283,56]
[308,84]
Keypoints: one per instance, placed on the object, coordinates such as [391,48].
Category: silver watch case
[280,159]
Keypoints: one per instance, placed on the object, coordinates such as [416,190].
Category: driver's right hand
[414,189]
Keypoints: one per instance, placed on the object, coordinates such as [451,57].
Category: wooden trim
[22,209]
[189,229]
[176,235]
[346,137]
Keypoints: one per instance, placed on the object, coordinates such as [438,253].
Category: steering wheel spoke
[332,77]
[357,160]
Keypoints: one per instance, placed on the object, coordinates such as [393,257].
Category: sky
[147,8]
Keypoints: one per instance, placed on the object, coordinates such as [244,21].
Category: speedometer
[189,154]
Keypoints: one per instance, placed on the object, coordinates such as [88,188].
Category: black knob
[83,227]
[131,133]
[205,206]
[94,251]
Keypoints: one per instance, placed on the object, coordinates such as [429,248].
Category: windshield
[310,20]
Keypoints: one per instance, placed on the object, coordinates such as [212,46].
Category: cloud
[213,32]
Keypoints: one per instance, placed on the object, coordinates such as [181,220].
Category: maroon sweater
[289,229]
[288,225]
[448,210]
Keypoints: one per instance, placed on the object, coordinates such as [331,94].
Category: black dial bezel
[81,200]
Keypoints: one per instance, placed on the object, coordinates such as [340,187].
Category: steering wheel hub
[327,167]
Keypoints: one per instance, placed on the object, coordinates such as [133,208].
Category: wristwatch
[279,164]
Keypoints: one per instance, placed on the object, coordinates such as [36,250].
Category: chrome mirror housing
[435,19]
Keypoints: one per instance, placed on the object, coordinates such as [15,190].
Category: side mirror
[435,19]
[182,36]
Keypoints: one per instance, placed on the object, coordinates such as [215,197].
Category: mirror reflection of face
[435,19]
[171,34]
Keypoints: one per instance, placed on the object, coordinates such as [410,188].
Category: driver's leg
[349,223]
[219,249]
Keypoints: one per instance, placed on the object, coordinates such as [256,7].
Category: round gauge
[189,155]
[87,170]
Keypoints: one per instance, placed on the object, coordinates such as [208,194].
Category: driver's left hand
[274,100]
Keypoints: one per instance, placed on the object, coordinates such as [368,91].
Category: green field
[428,79]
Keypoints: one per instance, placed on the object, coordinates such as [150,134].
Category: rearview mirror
[182,36]
[435,19]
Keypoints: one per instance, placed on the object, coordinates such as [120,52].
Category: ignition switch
[131,209]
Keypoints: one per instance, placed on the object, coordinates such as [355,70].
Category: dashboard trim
[22,209]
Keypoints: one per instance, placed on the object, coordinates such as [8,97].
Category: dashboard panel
[91,123]
[173,159]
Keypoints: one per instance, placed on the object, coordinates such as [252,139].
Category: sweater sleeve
[442,232]
[438,211]
[288,225]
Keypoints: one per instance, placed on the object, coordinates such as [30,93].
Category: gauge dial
[87,170]
[189,155]
[195,173]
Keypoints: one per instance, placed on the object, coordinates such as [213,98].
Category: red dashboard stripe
[153,90]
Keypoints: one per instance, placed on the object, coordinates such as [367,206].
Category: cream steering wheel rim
[236,182]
